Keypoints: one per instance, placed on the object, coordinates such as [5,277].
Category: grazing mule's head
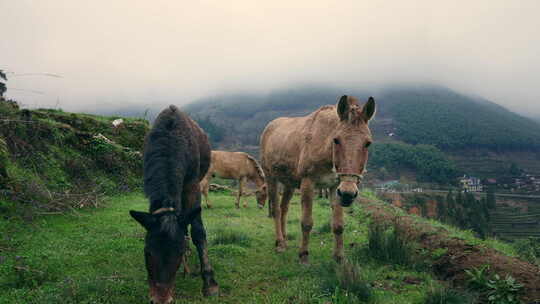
[165,244]
[261,193]
[351,140]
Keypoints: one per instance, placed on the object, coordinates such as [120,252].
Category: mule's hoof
[211,291]
[304,257]
[281,246]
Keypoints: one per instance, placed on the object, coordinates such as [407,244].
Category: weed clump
[528,249]
[497,290]
[391,245]
[226,236]
[325,228]
[344,283]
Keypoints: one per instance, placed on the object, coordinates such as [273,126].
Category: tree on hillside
[442,212]
[214,132]
[450,205]
[459,199]
[2,84]
[491,202]
[514,170]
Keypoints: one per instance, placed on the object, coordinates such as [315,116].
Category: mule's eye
[336,141]
[367,144]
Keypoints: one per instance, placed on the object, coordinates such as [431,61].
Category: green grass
[95,256]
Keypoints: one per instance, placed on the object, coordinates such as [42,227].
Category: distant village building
[471,184]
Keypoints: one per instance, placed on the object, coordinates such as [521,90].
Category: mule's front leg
[337,226]
[306,189]
[285,200]
[198,235]
[239,194]
[243,183]
[281,245]
[272,196]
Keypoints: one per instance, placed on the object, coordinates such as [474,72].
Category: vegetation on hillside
[416,115]
[430,164]
[421,115]
[52,160]
[3,78]
[452,121]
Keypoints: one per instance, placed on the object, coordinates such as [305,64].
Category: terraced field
[509,223]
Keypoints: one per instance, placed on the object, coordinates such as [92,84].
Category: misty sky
[114,53]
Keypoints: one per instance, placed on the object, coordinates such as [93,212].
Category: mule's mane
[164,168]
[258,168]
[169,225]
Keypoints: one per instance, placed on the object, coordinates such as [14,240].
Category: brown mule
[327,148]
[239,166]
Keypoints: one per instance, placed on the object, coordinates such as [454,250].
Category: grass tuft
[345,283]
[391,245]
[325,228]
[226,236]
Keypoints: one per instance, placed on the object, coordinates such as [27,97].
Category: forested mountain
[415,115]
[436,132]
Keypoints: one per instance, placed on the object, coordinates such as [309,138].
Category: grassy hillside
[106,265]
[41,263]
[53,160]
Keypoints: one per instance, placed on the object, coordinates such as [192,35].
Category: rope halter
[346,177]
[164,209]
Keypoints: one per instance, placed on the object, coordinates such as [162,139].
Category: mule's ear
[343,108]
[144,218]
[369,109]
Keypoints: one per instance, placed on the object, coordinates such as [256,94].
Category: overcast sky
[130,51]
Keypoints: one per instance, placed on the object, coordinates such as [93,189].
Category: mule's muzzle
[346,198]
[161,294]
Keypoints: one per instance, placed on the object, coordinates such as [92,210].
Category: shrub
[478,277]
[503,291]
[528,249]
[497,290]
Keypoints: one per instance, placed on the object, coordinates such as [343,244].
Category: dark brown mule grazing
[328,148]
[176,158]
